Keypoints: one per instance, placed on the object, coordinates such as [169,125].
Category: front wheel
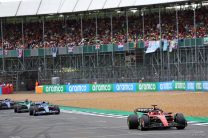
[57,109]
[180,120]
[35,110]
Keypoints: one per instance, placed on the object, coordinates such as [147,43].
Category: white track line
[192,122]
[200,124]
[119,116]
[94,114]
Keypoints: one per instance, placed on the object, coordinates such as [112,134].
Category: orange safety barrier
[39,89]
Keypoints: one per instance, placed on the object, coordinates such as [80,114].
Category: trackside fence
[195,86]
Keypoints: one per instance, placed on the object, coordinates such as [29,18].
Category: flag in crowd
[146,44]
[70,49]
[136,41]
[120,45]
[97,46]
[206,40]
[153,46]
[54,51]
[20,53]
[173,45]
[165,45]
[6,52]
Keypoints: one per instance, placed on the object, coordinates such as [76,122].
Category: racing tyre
[31,111]
[144,122]
[132,121]
[35,111]
[56,108]
[18,109]
[180,120]
[15,109]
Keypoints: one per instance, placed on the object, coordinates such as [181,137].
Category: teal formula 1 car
[22,106]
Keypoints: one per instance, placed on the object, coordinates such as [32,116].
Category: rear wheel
[180,120]
[144,122]
[132,121]
[18,108]
[15,109]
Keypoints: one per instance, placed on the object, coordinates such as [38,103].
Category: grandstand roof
[13,8]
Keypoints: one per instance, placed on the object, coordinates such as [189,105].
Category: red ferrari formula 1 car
[147,118]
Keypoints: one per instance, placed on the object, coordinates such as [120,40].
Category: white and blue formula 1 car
[43,108]
[7,104]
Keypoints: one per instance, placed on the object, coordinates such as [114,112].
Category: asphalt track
[77,125]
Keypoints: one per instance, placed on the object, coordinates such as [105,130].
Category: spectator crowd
[68,33]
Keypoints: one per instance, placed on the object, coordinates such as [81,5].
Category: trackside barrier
[165,86]
[190,86]
[54,88]
[198,86]
[125,87]
[205,85]
[147,86]
[179,85]
[101,88]
[78,88]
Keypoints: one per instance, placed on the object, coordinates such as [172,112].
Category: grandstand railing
[93,49]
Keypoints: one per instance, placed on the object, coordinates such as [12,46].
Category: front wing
[46,113]
[160,125]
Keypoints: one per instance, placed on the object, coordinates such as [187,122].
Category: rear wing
[143,110]
[17,102]
[40,103]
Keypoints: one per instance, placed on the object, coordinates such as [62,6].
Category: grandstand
[103,41]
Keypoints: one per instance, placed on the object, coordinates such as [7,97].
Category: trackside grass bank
[188,103]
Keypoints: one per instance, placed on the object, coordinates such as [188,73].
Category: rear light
[155,117]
